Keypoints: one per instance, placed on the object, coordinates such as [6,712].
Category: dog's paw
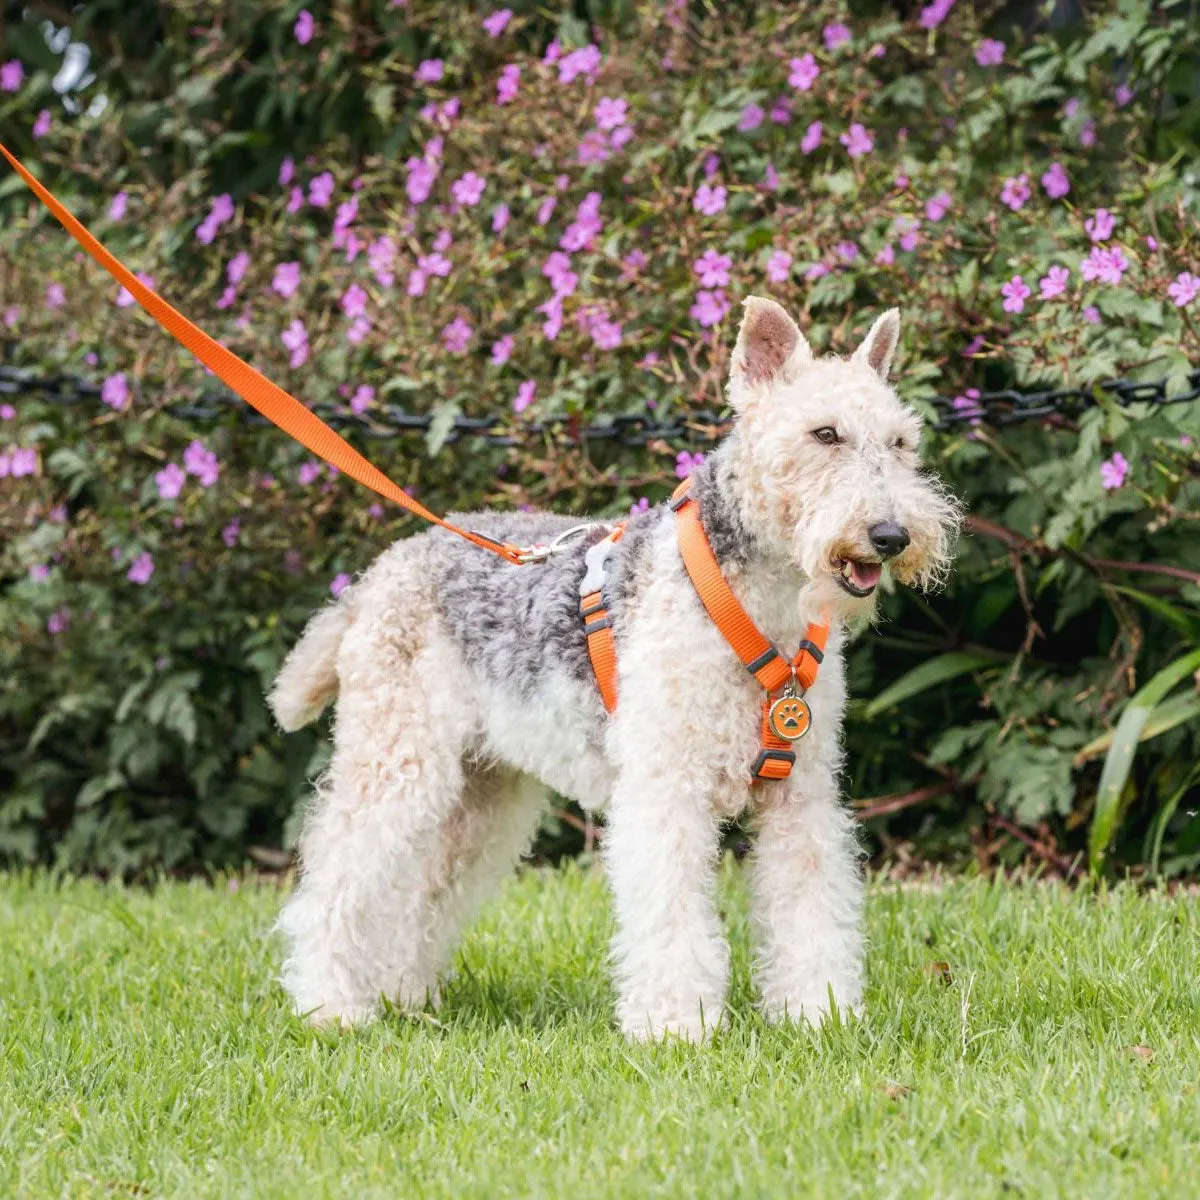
[811,1009]
[693,1026]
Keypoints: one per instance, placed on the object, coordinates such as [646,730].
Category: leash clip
[541,551]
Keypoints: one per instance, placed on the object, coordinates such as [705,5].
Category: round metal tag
[790,718]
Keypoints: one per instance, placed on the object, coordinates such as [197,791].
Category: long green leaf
[928,674]
[1165,716]
[1119,760]
[1164,817]
[1180,619]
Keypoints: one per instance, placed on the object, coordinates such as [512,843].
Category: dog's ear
[880,343]
[770,345]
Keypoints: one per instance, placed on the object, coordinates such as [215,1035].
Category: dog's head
[829,461]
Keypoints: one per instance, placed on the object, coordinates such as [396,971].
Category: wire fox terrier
[465,694]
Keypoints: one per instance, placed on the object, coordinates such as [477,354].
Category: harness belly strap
[593,608]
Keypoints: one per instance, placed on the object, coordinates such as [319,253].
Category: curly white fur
[440,767]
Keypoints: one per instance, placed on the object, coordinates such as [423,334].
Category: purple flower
[989,53]
[771,178]
[320,190]
[421,177]
[430,70]
[237,267]
[222,208]
[779,266]
[606,334]
[56,297]
[142,569]
[39,573]
[932,15]
[1113,472]
[686,463]
[339,584]
[286,280]
[1151,242]
[114,392]
[12,73]
[710,308]
[1016,192]
[41,126]
[1091,315]
[781,110]
[287,171]
[968,405]
[804,72]
[1184,288]
[304,27]
[500,217]
[435,264]
[1087,133]
[583,61]
[508,84]
[1108,266]
[309,472]
[19,463]
[7,412]
[937,206]
[358,330]
[456,336]
[713,269]
[709,200]
[468,190]
[1100,227]
[1123,94]
[170,481]
[640,505]
[593,148]
[886,255]
[857,140]
[116,210]
[834,35]
[1056,181]
[610,112]
[545,210]
[816,271]
[125,298]
[751,118]
[496,24]
[524,396]
[1015,292]
[231,533]
[295,338]
[502,350]
[295,200]
[200,461]
[812,138]
[1054,283]
[59,620]
[363,398]
[354,301]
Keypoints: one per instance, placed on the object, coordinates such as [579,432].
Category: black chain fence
[700,427]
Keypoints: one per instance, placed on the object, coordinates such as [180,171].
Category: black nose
[888,538]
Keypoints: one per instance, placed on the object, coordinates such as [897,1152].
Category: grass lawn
[146,1051]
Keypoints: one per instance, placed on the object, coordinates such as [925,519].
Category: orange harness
[786,716]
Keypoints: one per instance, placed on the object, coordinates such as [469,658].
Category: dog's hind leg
[478,843]
[358,921]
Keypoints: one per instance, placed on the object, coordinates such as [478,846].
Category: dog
[465,695]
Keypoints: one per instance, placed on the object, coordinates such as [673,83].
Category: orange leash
[256,389]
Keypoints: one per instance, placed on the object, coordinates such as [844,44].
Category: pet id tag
[790,717]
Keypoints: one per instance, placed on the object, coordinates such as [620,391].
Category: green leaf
[441,425]
[1162,820]
[929,674]
[1119,761]
[1179,619]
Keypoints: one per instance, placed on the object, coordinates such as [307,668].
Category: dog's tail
[308,681]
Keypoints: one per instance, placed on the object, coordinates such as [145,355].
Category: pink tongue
[865,575]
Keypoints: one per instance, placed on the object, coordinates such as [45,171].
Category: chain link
[702,427]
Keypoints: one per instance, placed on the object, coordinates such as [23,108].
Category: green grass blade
[1119,760]
[929,674]
[1164,817]
[1180,619]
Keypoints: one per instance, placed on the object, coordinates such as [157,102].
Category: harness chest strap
[772,670]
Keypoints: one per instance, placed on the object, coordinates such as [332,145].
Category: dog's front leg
[808,895]
[661,843]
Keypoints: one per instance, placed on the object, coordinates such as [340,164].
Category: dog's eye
[827,435]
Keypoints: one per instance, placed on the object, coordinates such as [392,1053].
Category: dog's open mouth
[856,577]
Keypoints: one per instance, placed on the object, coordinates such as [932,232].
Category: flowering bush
[480,213]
